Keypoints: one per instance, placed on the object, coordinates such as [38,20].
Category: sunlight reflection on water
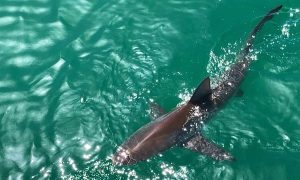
[76,79]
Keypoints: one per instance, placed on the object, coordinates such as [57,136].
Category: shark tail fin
[202,94]
[251,37]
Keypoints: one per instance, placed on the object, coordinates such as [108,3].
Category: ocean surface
[76,79]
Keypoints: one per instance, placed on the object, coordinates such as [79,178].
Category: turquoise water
[76,78]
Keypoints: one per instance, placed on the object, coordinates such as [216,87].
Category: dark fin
[199,144]
[156,111]
[251,36]
[239,93]
[202,93]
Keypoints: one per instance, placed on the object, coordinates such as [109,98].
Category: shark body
[181,126]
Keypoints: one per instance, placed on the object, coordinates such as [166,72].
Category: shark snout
[122,157]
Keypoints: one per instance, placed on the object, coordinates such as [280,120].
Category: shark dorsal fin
[202,92]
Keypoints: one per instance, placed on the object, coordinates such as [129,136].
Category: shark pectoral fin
[199,144]
[156,111]
[239,93]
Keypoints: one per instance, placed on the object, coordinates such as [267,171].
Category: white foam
[285,30]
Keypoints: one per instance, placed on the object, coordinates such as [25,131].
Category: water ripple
[76,79]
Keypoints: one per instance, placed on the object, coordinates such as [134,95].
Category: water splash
[184,96]
[292,22]
[218,64]
[169,171]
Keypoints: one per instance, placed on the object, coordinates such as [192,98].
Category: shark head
[123,157]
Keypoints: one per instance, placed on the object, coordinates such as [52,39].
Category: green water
[76,78]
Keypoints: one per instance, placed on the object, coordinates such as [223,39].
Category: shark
[180,127]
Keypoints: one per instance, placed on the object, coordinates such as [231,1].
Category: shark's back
[231,79]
